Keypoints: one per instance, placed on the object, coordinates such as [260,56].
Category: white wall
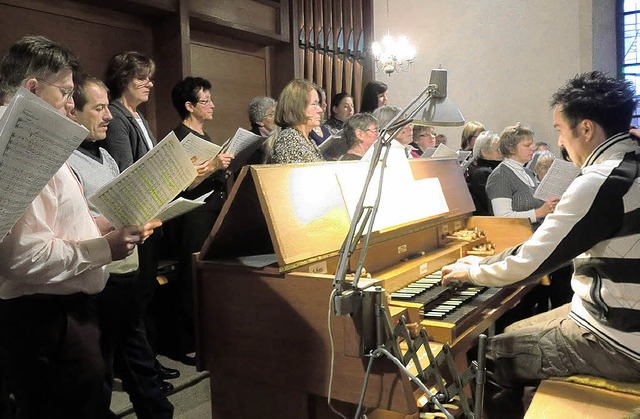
[505,58]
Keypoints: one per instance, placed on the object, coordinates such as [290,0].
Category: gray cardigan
[125,141]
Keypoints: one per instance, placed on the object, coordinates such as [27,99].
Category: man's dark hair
[81,82]
[33,57]
[607,101]
[123,68]
[187,91]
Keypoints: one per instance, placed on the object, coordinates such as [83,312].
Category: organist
[598,333]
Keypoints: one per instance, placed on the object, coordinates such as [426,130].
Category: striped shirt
[597,224]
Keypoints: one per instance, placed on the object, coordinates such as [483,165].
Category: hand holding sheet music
[145,188]
[557,180]
[243,144]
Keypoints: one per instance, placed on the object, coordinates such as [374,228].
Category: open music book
[199,148]
[242,145]
[334,146]
[144,191]
[557,180]
[35,141]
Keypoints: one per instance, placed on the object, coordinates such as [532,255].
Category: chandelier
[393,54]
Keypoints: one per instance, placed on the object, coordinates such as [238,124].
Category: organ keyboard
[263,283]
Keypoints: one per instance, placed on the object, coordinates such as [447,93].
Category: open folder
[144,191]
[35,141]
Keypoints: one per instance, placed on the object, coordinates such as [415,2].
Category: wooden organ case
[264,278]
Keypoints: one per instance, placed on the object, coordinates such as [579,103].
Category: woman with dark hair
[374,95]
[129,78]
[298,112]
[341,111]
[192,100]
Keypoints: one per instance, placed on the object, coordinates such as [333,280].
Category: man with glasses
[53,265]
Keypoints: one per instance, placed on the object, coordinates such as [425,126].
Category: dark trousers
[51,360]
[125,345]
[175,309]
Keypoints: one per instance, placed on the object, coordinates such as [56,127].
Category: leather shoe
[166,373]
[188,360]
[166,387]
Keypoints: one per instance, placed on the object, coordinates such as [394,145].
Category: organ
[263,283]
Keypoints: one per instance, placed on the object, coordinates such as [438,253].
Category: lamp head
[439,110]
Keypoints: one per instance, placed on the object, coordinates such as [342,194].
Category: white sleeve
[502,207]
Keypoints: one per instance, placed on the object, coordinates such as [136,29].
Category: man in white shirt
[52,266]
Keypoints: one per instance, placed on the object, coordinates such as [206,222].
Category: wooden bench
[584,397]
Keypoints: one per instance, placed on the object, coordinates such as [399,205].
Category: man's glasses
[66,92]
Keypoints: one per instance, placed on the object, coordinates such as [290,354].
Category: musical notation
[35,141]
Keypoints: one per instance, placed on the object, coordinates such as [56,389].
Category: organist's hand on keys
[458,272]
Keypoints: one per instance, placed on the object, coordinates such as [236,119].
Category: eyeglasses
[66,92]
[205,102]
[371,130]
[145,81]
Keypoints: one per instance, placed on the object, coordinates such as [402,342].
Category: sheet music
[442,151]
[177,208]
[241,140]
[35,141]
[403,198]
[142,191]
[463,155]
[200,148]
[428,152]
[243,144]
[560,175]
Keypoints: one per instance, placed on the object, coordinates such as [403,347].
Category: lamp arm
[345,304]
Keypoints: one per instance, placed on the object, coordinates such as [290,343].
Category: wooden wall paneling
[359,54]
[172,54]
[237,71]
[347,79]
[93,33]
[310,47]
[284,60]
[247,20]
[339,46]
[329,51]
[319,42]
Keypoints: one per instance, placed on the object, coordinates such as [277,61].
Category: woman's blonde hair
[470,129]
[293,102]
[511,136]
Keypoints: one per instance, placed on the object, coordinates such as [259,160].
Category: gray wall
[504,57]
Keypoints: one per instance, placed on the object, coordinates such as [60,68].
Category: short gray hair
[258,108]
[386,113]
[359,121]
[485,142]
[512,136]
